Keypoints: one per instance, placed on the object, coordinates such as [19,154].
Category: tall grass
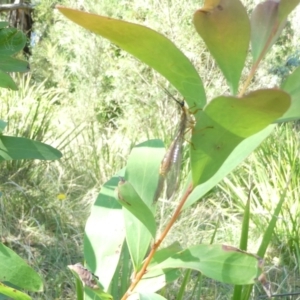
[271,171]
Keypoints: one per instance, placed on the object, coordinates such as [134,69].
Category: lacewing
[170,165]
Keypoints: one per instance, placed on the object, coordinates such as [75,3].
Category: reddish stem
[155,246]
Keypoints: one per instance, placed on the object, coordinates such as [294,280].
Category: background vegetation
[93,102]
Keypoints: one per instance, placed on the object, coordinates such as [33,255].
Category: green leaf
[138,239]
[12,148]
[219,262]
[14,269]
[225,122]
[241,152]
[138,235]
[7,82]
[150,47]
[157,278]
[146,296]
[291,85]
[131,201]
[105,233]
[163,254]
[12,293]
[10,64]
[266,26]
[285,7]
[142,170]
[11,41]
[225,28]
[157,282]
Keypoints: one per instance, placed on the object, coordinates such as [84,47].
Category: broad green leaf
[142,170]
[225,28]
[219,262]
[225,122]
[14,269]
[157,282]
[105,233]
[163,254]
[11,41]
[131,201]
[291,85]
[10,64]
[22,148]
[138,239]
[122,277]
[138,236]
[241,152]
[7,82]
[265,28]
[156,279]
[96,294]
[150,47]
[12,293]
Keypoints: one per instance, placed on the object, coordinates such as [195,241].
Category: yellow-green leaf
[225,28]
[226,121]
[150,47]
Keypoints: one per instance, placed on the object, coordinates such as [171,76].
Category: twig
[140,274]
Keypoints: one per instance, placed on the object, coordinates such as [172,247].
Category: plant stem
[155,246]
[256,64]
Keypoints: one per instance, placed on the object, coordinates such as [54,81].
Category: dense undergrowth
[94,102]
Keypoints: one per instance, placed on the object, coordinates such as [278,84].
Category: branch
[9,7]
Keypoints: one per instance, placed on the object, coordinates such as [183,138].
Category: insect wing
[173,175]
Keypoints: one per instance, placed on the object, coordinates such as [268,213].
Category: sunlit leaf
[146,296]
[12,293]
[105,233]
[155,278]
[225,28]
[23,148]
[150,47]
[7,82]
[11,41]
[225,122]
[10,64]
[267,21]
[291,85]
[219,262]
[14,269]
[142,170]
[131,201]
[240,153]
[285,7]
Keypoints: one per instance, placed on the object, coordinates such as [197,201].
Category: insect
[170,165]
[85,275]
